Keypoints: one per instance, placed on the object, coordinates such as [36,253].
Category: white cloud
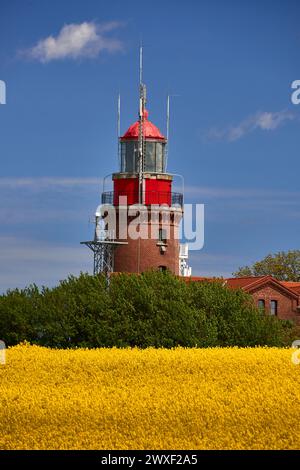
[214,265]
[265,121]
[212,192]
[245,205]
[26,261]
[75,41]
[48,199]
[40,183]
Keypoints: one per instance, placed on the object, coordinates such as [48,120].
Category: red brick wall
[143,254]
[286,306]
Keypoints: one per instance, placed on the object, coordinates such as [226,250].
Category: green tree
[74,314]
[18,314]
[284,266]
[236,320]
[154,309]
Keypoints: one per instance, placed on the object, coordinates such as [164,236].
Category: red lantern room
[157,185]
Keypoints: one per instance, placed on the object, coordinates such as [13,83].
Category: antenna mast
[141,65]
[168,129]
[141,147]
[119,129]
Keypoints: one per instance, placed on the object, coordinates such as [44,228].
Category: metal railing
[107,197]
[156,197]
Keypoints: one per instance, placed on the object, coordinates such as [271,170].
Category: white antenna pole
[142,99]
[168,116]
[168,129]
[119,115]
[119,129]
[141,65]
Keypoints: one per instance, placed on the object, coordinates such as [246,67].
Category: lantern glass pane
[150,157]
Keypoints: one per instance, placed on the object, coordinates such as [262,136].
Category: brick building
[278,298]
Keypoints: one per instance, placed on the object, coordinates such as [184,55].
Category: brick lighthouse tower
[140,218]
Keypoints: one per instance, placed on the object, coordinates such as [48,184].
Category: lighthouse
[137,225]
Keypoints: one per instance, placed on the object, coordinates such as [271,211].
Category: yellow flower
[216,398]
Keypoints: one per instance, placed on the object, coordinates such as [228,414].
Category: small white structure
[184,269]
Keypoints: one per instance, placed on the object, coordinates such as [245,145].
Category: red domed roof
[150,130]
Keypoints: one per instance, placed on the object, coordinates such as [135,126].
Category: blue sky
[234,131]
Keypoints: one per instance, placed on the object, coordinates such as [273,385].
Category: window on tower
[162,268]
[162,235]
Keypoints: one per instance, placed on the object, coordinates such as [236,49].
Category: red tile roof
[295,286]
[242,282]
[251,282]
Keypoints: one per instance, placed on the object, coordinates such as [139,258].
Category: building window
[162,235]
[273,307]
[261,304]
[162,268]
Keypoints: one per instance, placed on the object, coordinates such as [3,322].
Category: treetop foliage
[154,309]
[284,266]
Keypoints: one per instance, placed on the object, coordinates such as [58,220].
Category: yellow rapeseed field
[149,399]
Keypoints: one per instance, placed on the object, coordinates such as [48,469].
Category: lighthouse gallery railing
[156,197]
